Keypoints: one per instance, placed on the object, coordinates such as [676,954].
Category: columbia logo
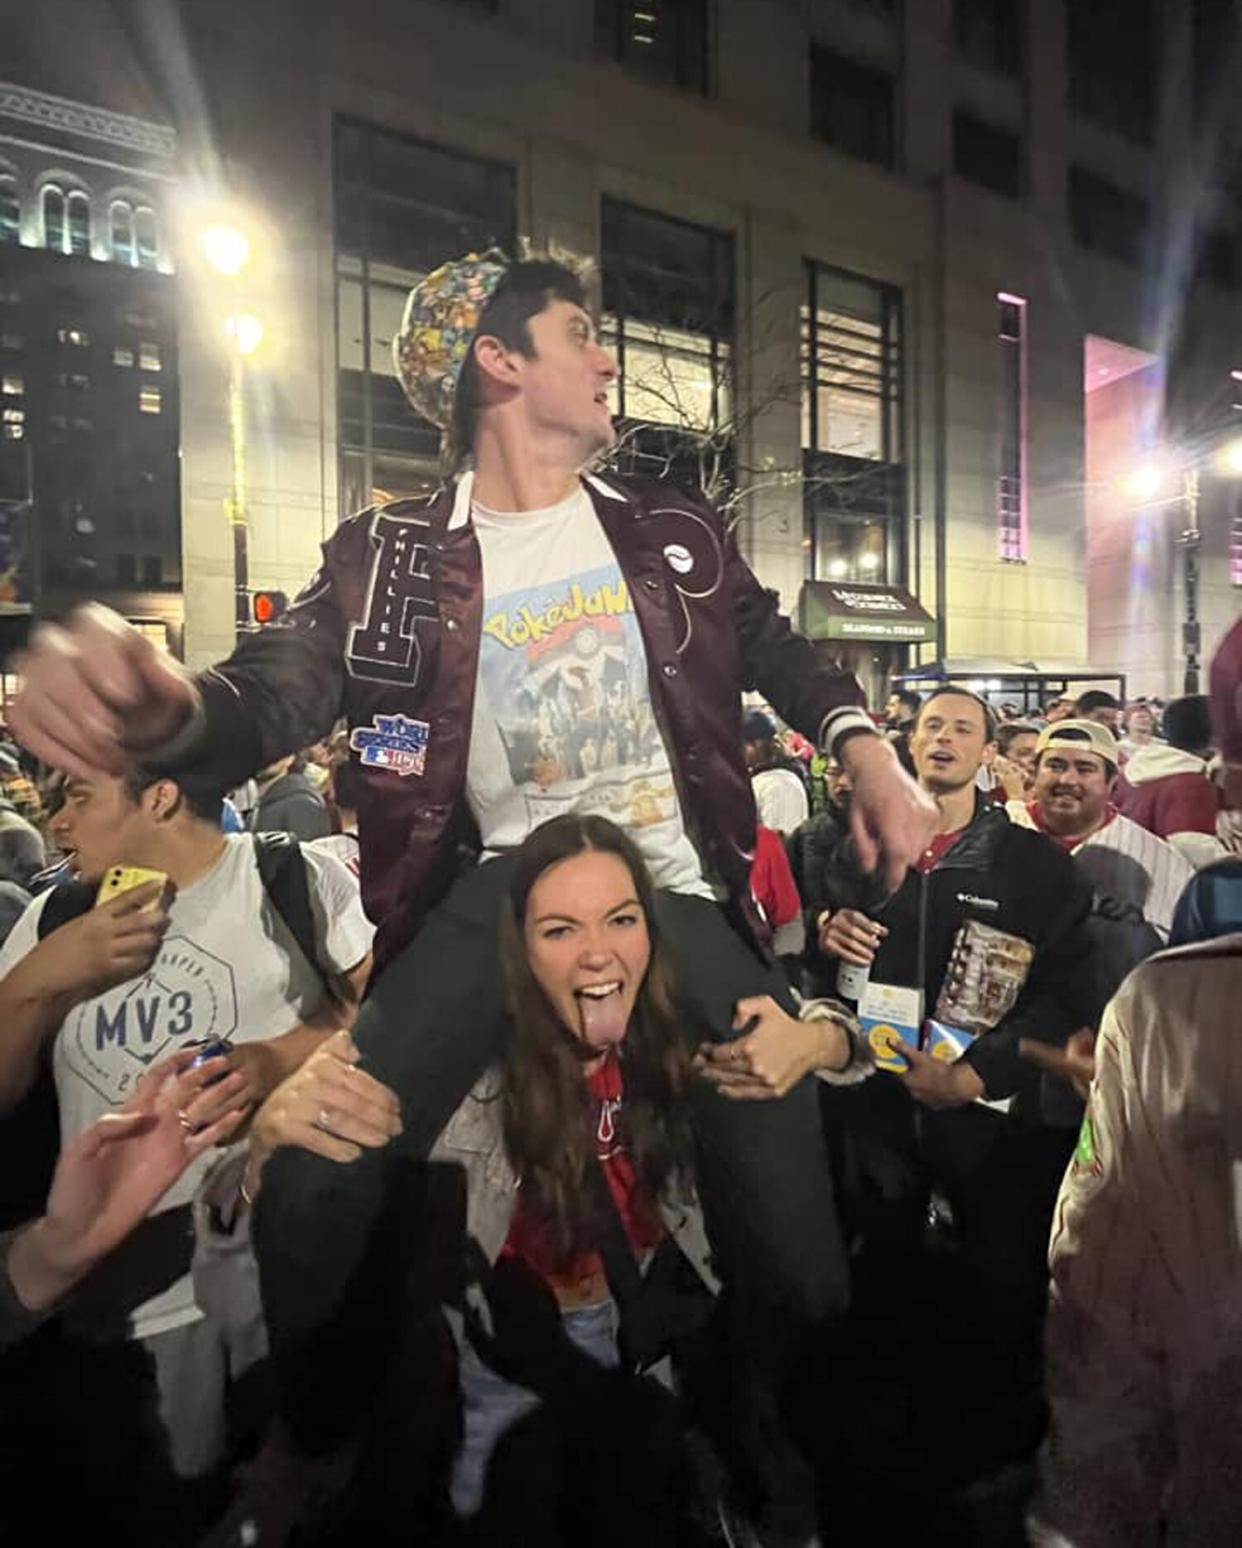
[969,897]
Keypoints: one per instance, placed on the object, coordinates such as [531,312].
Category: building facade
[89,446]
[891,281]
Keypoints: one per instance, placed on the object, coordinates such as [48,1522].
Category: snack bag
[986,971]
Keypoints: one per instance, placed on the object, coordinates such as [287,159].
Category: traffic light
[267,606]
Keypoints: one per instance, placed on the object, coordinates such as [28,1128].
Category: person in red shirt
[773,888]
[1167,787]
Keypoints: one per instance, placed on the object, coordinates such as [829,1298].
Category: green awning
[842,610]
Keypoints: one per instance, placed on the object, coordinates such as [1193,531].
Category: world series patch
[393,742]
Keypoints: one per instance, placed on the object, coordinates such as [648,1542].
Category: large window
[1111,48]
[665,40]
[853,478]
[851,366]
[852,107]
[66,220]
[1011,483]
[668,313]
[989,33]
[1105,218]
[402,208]
[986,155]
[10,210]
[53,203]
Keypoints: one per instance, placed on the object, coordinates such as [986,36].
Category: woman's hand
[112,1176]
[329,1107]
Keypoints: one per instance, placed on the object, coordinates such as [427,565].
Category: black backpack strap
[655,1310]
[282,871]
[68,901]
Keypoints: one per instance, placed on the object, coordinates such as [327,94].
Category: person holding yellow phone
[175,942]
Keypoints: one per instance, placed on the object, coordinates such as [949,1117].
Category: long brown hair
[547,1114]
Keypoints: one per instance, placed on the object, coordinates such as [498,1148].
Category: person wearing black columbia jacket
[936,1169]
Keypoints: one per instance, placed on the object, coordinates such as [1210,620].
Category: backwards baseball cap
[438,327]
[1079,736]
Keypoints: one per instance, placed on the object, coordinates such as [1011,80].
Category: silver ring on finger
[323,1120]
[184,1121]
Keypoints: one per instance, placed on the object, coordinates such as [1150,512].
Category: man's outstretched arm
[892,820]
[97,694]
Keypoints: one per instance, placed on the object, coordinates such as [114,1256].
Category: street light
[244,333]
[1144,485]
[226,248]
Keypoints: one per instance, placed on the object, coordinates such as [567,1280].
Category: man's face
[565,386]
[759,755]
[1104,715]
[839,786]
[99,824]
[948,743]
[1072,790]
[896,711]
[1022,751]
[1141,721]
[1059,709]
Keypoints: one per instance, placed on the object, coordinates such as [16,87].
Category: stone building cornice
[94,123]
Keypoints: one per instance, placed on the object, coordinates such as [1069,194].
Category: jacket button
[451,625]
[652,584]
[669,669]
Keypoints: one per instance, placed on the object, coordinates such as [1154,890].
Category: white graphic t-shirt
[227,968]
[563,716]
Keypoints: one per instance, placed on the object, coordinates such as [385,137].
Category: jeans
[491,1405]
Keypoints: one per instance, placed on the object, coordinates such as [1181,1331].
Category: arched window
[54,218]
[146,235]
[121,220]
[79,232]
[10,210]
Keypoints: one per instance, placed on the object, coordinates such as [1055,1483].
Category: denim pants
[491,1405]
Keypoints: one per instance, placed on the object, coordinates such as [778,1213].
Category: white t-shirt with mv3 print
[229,968]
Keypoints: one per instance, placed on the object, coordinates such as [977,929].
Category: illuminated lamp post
[1143,484]
[226,249]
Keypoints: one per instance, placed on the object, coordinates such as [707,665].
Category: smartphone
[211,1048]
[120,879]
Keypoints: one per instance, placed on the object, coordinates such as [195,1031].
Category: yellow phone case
[118,879]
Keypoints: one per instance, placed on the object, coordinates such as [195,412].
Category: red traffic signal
[267,606]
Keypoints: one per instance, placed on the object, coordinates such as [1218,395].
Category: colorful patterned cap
[441,316]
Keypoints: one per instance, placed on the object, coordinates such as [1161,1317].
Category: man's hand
[892,820]
[95,689]
[937,1084]
[112,1176]
[1012,776]
[98,949]
[770,1060]
[851,936]
[1075,1062]
[329,1107]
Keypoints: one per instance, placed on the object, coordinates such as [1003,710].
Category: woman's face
[1141,722]
[587,944]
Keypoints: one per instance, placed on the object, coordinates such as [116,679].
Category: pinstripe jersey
[1128,864]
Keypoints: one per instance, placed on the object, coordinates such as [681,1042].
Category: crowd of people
[465,1079]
